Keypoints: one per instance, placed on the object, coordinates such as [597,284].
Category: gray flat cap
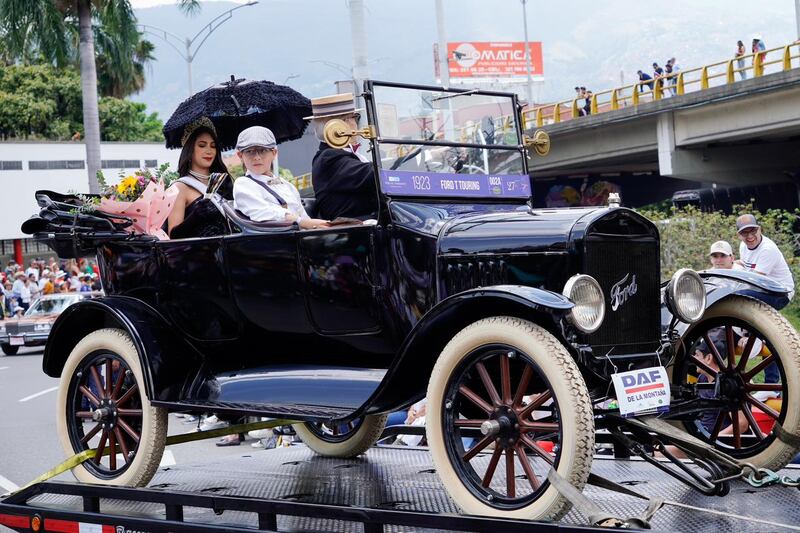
[255,136]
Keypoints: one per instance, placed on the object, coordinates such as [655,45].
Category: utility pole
[187,54]
[444,65]
[797,16]
[359,38]
[528,51]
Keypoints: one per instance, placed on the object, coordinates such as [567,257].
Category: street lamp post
[187,54]
[797,16]
[528,52]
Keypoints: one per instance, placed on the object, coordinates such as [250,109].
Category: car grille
[628,262]
[13,328]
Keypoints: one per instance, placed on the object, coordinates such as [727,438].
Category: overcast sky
[597,43]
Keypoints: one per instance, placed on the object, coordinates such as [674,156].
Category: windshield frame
[372,118]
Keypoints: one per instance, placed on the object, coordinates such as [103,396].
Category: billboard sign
[473,61]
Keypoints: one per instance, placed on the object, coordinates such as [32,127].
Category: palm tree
[45,25]
[120,70]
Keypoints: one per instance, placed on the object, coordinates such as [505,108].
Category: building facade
[26,167]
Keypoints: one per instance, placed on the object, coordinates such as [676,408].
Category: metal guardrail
[302,181]
[692,80]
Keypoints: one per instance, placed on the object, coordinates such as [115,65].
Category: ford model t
[512,321]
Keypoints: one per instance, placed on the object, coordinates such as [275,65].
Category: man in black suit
[343,179]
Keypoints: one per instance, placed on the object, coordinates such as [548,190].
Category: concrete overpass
[745,133]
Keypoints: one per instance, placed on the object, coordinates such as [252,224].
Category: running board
[304,412]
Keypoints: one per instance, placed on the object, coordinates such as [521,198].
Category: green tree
[123,120]
[45,26]
[687,234]
[44,102]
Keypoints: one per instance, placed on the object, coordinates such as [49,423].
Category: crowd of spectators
[21,286]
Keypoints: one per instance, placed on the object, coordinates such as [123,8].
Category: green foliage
[43,102]
[123,120]
[236,171]
[687,234]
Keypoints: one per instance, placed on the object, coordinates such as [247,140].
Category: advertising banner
[493,60]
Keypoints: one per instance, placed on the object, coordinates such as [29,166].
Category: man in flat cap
[343,179]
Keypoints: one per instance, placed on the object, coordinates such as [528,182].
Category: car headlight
[686,295]
[590,304]
[2,329]
[42,327]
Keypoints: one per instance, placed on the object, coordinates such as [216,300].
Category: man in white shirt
[760,254]
[260,195]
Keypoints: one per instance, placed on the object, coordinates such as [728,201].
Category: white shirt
[259,205]
[768,259]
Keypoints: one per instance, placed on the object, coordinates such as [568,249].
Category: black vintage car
[510,320]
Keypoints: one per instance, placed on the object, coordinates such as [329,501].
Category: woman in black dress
[192,215]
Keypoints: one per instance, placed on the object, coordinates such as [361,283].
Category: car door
[338,265]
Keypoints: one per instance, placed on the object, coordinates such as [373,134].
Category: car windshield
[51,305]
[434,142]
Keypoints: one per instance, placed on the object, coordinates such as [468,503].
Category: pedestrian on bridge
[740,51]
[658,74]
[644,77]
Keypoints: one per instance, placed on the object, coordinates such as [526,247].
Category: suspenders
[266,187]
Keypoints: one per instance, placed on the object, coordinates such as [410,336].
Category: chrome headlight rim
[672,296]
[569,287]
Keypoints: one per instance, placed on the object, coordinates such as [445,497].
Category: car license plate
[16,341]
[642,391]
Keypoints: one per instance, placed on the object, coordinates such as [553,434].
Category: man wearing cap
[721,255]
[761,255]
[260,195]
[343,179]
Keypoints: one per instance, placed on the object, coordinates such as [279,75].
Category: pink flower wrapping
[148,212]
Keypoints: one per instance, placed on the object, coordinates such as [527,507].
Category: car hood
[529,231]
[27,321]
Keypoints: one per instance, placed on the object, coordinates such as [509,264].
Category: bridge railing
[678,83]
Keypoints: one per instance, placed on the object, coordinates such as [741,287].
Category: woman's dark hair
[185,160]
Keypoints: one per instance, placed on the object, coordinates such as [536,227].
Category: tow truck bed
[389,489]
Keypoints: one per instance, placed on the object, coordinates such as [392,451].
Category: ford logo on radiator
[622,290]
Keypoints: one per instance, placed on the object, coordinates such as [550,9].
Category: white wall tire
[552,369]
[87,367]
[769,452]
[353,441]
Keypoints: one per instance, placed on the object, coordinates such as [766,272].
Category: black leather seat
[310,205]
[250,226]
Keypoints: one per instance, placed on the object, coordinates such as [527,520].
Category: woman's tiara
[202,122]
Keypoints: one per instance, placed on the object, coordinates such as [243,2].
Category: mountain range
[594,43]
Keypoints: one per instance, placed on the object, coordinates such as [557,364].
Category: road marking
[167,459]
[40,393]
[4,368]
[8,484]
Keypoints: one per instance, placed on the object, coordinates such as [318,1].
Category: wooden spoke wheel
[742,364]
[345,439]
[506,403]
[102,405]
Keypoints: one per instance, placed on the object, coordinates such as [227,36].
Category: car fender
[407,378]
[722,283]
[167,361]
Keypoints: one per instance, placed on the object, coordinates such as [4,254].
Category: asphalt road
[29,443]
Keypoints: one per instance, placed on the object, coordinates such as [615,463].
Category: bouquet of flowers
[143,197]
